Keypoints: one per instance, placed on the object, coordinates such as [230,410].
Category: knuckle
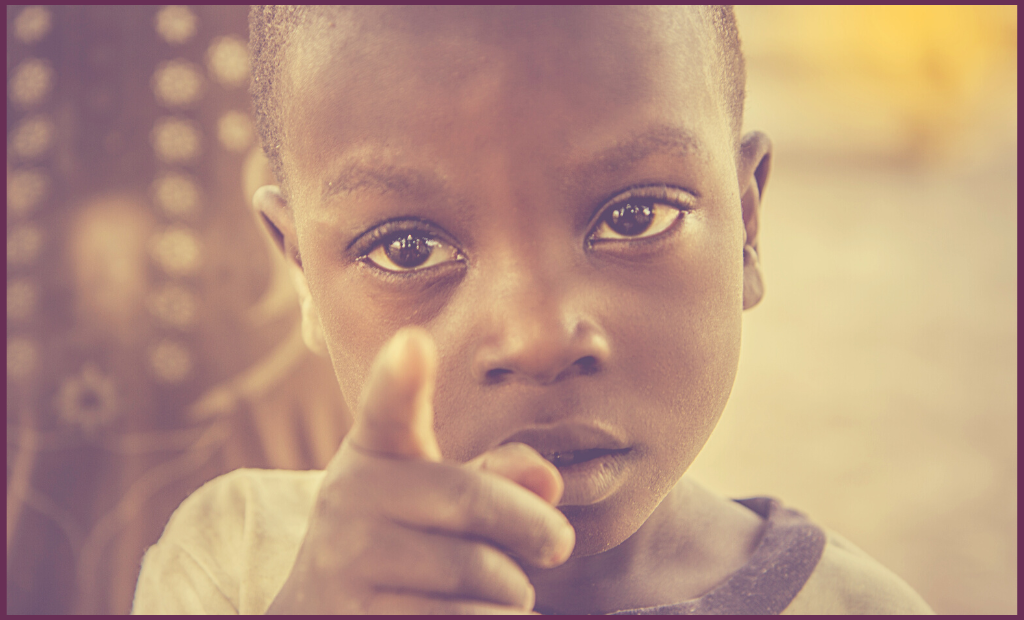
[474,565]
[509,582]
[542,537]
[342,551]
[482,572]
[459,569]
[471,503]
[526,528]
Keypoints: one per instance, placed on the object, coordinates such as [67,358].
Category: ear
[279,221]
[754,165]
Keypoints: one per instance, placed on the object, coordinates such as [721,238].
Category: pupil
[409,250]
[631,219]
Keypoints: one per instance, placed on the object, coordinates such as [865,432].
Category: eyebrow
[388,178]
[660,139]
[381,178]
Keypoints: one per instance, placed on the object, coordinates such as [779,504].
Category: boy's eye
[408,251]
[644,214]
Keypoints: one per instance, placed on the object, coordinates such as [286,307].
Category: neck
[692,541]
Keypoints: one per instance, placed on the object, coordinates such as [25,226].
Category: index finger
[395,416]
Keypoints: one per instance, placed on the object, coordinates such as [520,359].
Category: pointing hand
[396,530]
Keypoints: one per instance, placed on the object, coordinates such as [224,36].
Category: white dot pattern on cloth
[33,137]
[26,189]
[177,251]
[31,82]
[32,24]
[23,244]
[176,140]
[170,361]
[227,58]
[234,131]
[88,399]
[176,24]
[176,194]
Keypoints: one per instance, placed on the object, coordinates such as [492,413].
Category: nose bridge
[527,288]
[530,258]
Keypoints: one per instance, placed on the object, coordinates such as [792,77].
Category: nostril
[588,365]
[496,375]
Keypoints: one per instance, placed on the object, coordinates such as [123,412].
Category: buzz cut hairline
[271,28]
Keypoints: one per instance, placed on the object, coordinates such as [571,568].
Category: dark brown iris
[631,218]
[409,250]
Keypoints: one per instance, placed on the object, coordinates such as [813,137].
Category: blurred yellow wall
[877,384]
[873,81]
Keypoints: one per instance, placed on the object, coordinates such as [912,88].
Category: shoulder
[236,510]
[848,581]
[242,494]
[228,544]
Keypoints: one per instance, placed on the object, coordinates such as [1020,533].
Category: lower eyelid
[416,279]
[454,256]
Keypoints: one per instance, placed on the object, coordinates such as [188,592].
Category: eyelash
[387,231]
[369,240]
[673,197]
[390,230]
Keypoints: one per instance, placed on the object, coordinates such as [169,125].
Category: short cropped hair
[270,28]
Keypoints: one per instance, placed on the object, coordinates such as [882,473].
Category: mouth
[568,458]
[566,445]
[593,462]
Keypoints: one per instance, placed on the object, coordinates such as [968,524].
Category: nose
[537,331]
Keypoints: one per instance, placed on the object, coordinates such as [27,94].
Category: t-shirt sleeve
[230,546]
[848,581]
[174,582]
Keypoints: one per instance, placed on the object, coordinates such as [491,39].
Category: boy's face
[553,194]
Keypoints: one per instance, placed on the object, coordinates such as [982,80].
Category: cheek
[354,329]
[680,339]
[352,340]
[359,314]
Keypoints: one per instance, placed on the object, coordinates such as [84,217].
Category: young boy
[558,202]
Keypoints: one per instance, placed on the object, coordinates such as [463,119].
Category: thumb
[395,416]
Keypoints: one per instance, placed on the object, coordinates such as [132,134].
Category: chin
[601,527]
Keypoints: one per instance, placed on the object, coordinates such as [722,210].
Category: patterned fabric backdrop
[150,334]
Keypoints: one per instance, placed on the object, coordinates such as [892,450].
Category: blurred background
[153,343]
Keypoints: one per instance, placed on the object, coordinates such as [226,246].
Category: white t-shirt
[230,546]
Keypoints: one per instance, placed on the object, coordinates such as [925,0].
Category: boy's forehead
[598,26]
[515,62]
[617,39]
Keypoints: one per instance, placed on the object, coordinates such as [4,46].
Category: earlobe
[753,285]
[279,221]
[312,328]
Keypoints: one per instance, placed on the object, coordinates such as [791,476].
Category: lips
[574,457]
[565,445]
[594,463]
